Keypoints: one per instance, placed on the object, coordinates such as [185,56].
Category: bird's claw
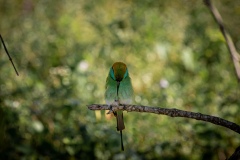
[111,110]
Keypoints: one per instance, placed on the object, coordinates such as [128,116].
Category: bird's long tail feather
[121,141]
[120,125]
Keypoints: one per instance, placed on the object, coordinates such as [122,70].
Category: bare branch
[8,55]
[231,47]
[169,112]
[235,155]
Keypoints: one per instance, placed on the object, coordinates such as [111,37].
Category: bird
[118,90]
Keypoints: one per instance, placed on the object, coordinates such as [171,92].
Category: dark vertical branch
[231,47]
[9,55]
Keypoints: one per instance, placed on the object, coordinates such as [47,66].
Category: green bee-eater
[119,90]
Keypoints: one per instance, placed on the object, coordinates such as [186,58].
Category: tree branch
[235,155]
[231,47]
[169,112]
[9,55]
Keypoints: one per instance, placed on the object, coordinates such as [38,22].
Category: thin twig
[231,47]
[169,112]
[9,55]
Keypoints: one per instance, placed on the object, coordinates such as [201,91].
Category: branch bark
[169,112]
[231,47]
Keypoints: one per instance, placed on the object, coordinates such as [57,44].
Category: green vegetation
[177,58]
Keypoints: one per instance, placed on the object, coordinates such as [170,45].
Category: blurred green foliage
[176,56]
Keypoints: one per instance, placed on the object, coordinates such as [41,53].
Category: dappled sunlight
[63,50]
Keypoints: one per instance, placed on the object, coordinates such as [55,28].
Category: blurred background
[176,56]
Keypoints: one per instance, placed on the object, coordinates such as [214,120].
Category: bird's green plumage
[119,90]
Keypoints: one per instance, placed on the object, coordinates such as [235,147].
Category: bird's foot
[111,110]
